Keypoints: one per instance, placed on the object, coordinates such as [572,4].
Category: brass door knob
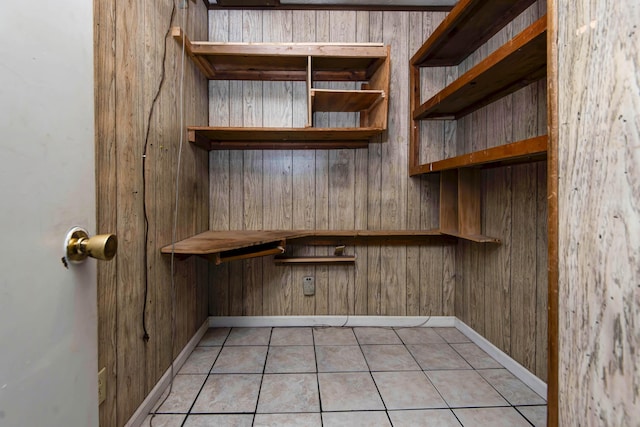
[79,245]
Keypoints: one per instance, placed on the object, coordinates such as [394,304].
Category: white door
[48,316]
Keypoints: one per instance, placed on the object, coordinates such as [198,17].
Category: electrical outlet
[308,286]
[102,385]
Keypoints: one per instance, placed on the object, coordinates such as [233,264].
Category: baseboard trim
[535,383]
[143,410]
[350,321]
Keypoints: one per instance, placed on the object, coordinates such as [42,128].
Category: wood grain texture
[137,114]
[350,189]
[509,274]
[599,213]
[106,200]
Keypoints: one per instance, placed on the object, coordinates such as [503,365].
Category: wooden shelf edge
[238,138]
[525,151]
[323,260]
[473,238]
[223,242]
[531,38]
[460,25]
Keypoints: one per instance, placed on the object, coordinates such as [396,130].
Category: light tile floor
[344,377]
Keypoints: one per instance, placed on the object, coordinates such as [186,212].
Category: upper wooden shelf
[284,61]
[469,24]
[236,138]
[524,151]
[516,64]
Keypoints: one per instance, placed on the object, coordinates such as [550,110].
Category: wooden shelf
[344,100]
[516,64]
[222,246]
[236,138]
[469,25]
[365,62]
[284,61]
[528,150]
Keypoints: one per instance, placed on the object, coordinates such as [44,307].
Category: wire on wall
[174,232]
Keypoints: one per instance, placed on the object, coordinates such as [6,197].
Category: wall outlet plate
[309,286]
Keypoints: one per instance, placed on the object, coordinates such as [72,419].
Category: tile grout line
[207,377]
[264,367]
[315,358]
[427,376]
[386,410]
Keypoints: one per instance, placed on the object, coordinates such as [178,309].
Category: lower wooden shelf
[223,246]
[237,138]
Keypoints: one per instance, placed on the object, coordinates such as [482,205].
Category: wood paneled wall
[599,212]
[137,69]
[337,189]
[498,290]
[501,290]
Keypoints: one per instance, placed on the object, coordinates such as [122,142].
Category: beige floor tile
[291,359]
[476,356]
[214,337]
[452,335]
[419,336]
[184,391]
[511,388]
[490,417]
[352,391]
[283,393]
[161,420]
[240,360]
[200,361]
[537,415]
[389,358]
[211,420]
[291,336]
[407,390]
[340,358]
[334,336]
[437,356]
[424,418]
[465,388]
[355,419]
[376,336]
[249,336]
[288,420]
[229,393]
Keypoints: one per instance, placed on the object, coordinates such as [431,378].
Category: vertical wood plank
[304,30]
[322,186]
[236,173]
[374,197]
[523,253]
[277,181]
[219,212]
[106,196]
[253,171]
[361,189]
[414,188]
[130,119]
[394,155]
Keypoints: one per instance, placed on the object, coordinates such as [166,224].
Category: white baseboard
[535,383]
[143,410]
[350,321]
